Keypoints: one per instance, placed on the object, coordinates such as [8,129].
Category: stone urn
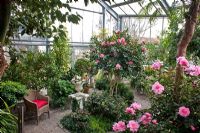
[78,86]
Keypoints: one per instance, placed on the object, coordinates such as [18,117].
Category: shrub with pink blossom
[167,114]
[118,56]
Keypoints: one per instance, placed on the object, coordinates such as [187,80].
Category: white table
[80,98]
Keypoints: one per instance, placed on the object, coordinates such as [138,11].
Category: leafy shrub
[102,84]
[82,122]
[8,122]
[60,92]
[125,92]
[99,124]
[82,66]
[69,75]
[11,92]
[77,122]
[104,105]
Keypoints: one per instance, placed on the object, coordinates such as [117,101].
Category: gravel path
[46,125]
[142,99]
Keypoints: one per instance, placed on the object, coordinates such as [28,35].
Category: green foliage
[69,75]
[125,92]
[11,92]
[77,122]
[60,91]
[75,105]
[40,22]
[102,84]
[106,106]
[82,122]
[34,69]
[99,124]
[61,53]
[8,122]
[82,66]
[39,70]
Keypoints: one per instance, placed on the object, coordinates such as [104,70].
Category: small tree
[118,56]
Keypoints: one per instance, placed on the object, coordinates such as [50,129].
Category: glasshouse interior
[99,66]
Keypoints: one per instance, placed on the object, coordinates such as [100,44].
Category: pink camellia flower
[136,106]
[157,88]
[156,65]
[183,111]
[146,118]
[118,66]
[192,128]
[130,62]
[121,41]
[101,55]
[130,111]
[133,125]
[183,61]
[97,61]
[119,127]
[155,122]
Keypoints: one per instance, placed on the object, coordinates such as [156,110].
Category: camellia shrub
[168,112]
[118,56]
[110,107]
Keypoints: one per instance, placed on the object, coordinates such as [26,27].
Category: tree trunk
[5,11]
[190,24]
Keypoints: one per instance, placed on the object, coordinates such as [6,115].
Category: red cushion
[40,103]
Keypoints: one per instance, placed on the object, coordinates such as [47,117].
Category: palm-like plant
[8,122]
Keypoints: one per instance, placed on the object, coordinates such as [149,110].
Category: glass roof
[134,7]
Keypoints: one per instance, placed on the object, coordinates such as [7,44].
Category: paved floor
[46,125]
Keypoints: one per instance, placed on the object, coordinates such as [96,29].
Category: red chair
[37,103]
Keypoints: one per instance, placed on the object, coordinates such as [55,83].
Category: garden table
[80,98]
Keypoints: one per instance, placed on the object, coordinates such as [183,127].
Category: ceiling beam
[143,16]
[108,9]
[124,3]
[163,7]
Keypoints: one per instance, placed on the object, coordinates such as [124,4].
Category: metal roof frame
[163,4]
[124,3]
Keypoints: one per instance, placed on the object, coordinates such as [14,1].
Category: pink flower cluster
[108,43]
[157,88]
[193,70]
[189,69]
[156,65]
[134,125]
[132,109]
[121,41]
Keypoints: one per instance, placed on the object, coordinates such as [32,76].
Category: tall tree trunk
[5,11]
[190,24]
